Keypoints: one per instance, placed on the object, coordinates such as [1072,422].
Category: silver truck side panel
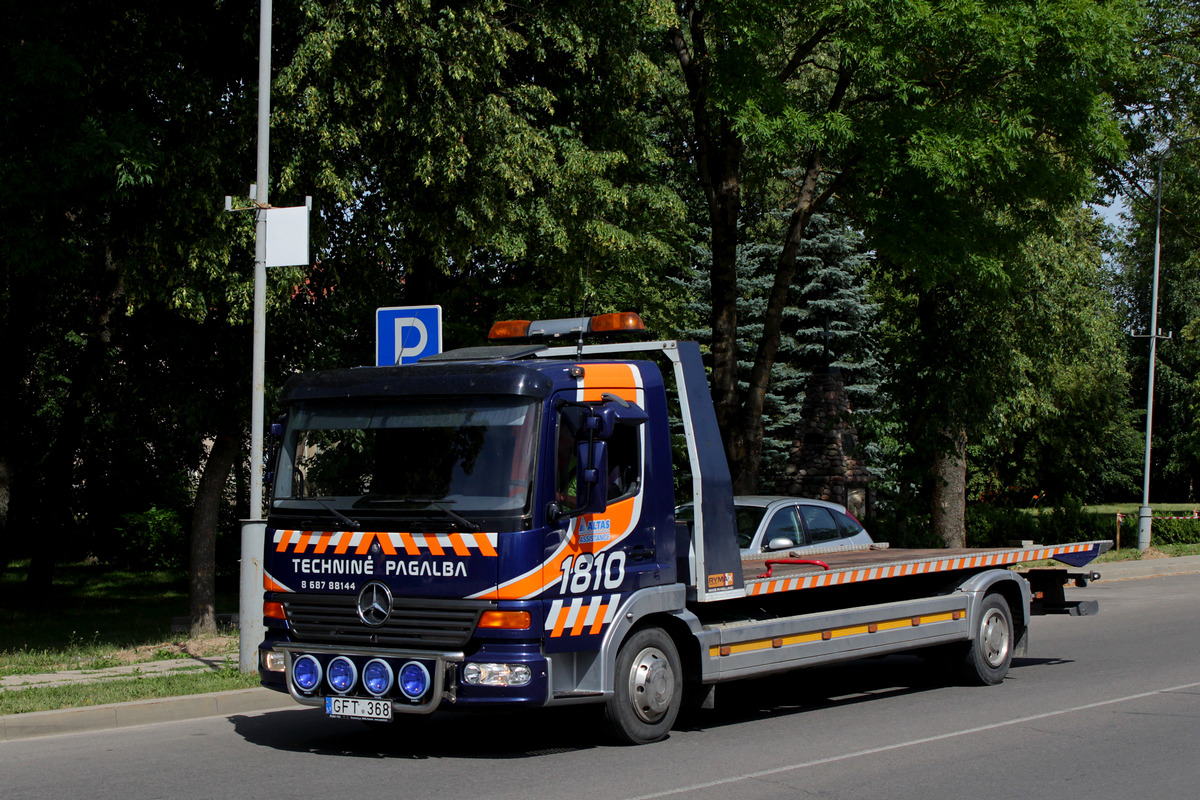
[760,648]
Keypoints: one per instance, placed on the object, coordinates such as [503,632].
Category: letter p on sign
[405,334]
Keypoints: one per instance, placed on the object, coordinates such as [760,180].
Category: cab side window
[624,463]
[624,458]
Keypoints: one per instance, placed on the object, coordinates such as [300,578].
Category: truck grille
[419,622]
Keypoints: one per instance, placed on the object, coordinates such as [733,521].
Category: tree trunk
[949,501]
[5,498]
[209,495]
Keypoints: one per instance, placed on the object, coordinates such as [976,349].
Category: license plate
[358,708]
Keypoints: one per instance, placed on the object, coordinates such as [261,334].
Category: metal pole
[1144,518]
[251,629]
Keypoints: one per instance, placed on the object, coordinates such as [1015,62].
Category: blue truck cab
[475,528]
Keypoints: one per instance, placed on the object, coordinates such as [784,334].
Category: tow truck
[495,527]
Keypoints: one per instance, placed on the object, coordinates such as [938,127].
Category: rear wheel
[647,688]
[989,654]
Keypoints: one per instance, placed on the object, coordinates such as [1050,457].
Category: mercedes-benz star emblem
[374,604]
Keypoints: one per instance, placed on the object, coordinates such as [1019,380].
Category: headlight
[497,674]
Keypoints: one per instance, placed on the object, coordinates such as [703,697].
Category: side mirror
[781,543]
[592,476]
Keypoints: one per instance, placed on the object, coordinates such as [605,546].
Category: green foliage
[153,539]
[996,526]
[1175,531]
[999,526]
[95,606]
[541,159]
[828,293]
[483,156]
[1071,522]
[947,131]
[1176,451]
[1062,422]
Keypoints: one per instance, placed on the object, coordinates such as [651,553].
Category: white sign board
[405,334]
[287,236]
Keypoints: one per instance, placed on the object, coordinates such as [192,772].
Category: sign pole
[251,630]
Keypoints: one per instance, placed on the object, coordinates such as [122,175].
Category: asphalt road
[1104,707]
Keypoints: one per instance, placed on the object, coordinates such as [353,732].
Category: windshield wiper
[438,503]
[349,523]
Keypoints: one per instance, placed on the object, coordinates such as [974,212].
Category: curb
[141,712]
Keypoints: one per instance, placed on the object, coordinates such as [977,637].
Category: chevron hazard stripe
[359,542]
[583,615]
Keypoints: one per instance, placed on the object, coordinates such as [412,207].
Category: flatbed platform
[769,574]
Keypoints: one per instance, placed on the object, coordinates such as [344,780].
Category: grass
[48,698]
[95,617]
[1133,554]
[1163,510]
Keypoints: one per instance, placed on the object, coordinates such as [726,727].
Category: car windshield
[428,457]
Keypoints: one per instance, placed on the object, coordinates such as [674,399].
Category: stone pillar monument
[823,463]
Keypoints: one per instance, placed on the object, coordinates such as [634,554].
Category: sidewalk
[244,701]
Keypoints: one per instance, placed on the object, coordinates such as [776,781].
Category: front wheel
[647,688]
[989,654]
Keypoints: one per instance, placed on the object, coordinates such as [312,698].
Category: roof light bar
[621,322]
[510,329]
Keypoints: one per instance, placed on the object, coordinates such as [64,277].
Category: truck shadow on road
[840,685]
[443,734]
[535,733]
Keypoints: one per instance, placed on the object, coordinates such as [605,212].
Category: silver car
[781,524]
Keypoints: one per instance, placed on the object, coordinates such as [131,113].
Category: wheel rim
[994,638]
[651,685]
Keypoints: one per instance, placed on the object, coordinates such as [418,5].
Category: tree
[947,130]
[1066,427]
[828,321]
[464,152]
[121,118]
[1175,455]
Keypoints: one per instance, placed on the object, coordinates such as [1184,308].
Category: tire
[647,688]
[989,654]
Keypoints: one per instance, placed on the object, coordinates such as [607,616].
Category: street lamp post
[1144,518]
[254,530]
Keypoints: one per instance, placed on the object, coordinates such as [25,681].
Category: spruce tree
[829,321]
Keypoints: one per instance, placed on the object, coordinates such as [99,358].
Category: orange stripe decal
[484,545]
[601,613]
[559,623]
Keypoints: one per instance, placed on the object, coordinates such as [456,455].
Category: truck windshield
[424,457]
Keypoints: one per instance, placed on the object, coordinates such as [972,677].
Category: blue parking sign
[405,334]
